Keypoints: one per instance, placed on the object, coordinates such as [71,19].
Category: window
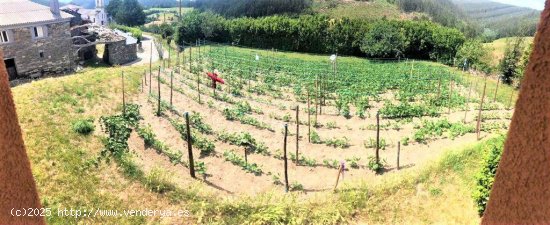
[41,54]
[4,37]
[39,32]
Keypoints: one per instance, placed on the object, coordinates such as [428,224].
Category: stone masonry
[56,48]
[118,53]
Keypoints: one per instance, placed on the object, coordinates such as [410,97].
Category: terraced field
[238,129]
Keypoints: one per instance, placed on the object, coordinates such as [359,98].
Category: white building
[97,16]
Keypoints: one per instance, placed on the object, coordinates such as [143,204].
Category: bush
[84,126]
[322,34]
[384,40]
[486,176]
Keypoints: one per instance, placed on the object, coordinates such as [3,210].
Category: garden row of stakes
[419,88]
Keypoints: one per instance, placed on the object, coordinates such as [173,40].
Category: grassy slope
[61,165]
[499,46]
[62,160]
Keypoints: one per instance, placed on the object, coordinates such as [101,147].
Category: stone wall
[118,53]
[56,48]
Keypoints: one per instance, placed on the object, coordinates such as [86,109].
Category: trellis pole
[297,132]
[480,108]
[286,159]
[189,146]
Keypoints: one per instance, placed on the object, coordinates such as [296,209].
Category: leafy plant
[485,177]
[237,160]
[353,162]
[315,139]
[338,142]
[375,166]
[85,126]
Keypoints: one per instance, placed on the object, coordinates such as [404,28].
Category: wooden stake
[468,101]
[439,88]
[151,60]
[308,119]
[123,96]
[340,170]
[150,81]
[144,77]
[450,96]
[285,159]
[171,86]
[480,108]
[297,132]
[199,87]
[158,82]
[190,146]
[169,53]
[245,156]
[316,101]
[398,152]
[496,90]
[377,137]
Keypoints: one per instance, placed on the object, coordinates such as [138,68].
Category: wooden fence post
[480,108]
[286,159]
[190,146]
[150,81]
[377,137]
[398,152]
[171,86]
[158,82]
[297,133]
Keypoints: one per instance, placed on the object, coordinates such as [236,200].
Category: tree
[509,64]
[112,7]
[384,39]
[520,71]
[475,54]
[127,12]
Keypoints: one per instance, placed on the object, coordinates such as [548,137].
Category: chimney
[54,7]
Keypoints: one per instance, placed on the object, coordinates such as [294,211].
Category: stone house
[36,39]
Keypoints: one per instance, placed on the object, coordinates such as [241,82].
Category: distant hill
[501,20]
[367,10]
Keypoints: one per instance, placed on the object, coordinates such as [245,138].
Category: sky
[535,4]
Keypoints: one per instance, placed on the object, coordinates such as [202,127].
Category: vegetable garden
[295,122]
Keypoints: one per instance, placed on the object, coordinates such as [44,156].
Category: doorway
[12,70]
